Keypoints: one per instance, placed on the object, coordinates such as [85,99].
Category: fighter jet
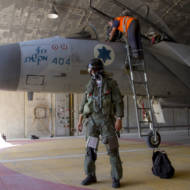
[59,64]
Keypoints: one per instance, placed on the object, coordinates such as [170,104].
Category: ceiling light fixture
[53,14]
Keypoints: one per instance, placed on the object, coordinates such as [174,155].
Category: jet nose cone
[10,64]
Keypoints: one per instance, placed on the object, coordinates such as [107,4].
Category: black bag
[161,165]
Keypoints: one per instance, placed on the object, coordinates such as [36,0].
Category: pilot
[130,27]
[102,109]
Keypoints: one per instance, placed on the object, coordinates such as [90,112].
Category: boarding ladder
[144,112]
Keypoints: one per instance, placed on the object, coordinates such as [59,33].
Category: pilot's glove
[118,124]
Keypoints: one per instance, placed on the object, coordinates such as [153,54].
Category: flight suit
[100,106]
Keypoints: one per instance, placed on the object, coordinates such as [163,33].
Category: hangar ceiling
[22,20]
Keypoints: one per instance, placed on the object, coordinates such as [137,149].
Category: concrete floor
[58,164]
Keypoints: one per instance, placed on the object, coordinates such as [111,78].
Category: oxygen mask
[98,78]
[99,83]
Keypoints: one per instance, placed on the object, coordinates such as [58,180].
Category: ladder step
[145,134]
[137,70]
[145,121]
[143,95]
[143,108]
[139,82]
[138,64]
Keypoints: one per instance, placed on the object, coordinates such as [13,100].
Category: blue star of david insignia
[104,54]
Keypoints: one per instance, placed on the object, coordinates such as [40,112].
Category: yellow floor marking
[61,161]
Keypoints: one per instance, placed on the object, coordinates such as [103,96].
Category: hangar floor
[58,164]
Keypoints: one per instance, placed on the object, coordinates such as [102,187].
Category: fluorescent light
[53,14]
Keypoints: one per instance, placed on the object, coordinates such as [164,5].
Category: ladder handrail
[150,121]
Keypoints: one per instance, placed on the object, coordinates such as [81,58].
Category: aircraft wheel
[150,140]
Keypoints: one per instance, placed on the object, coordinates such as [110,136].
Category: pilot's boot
[115,183]
[89,180]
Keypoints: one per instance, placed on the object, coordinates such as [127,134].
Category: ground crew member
[130,27]
[102,106]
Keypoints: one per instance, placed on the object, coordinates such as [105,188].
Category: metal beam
[100,12]
[144,19]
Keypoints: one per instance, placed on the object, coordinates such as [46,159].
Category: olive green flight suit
[101,121]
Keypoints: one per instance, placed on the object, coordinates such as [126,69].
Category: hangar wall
[47,115]
[176,118]
[57,115]
[12,114]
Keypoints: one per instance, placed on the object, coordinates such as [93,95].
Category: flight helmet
[96,65]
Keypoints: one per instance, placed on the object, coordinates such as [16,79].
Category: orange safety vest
[124,23]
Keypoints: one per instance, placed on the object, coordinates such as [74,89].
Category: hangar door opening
[62,114]
[48,115]
[38,115]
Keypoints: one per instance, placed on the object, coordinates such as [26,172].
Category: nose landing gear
[153,140]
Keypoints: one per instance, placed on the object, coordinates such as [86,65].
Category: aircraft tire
[151,142]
